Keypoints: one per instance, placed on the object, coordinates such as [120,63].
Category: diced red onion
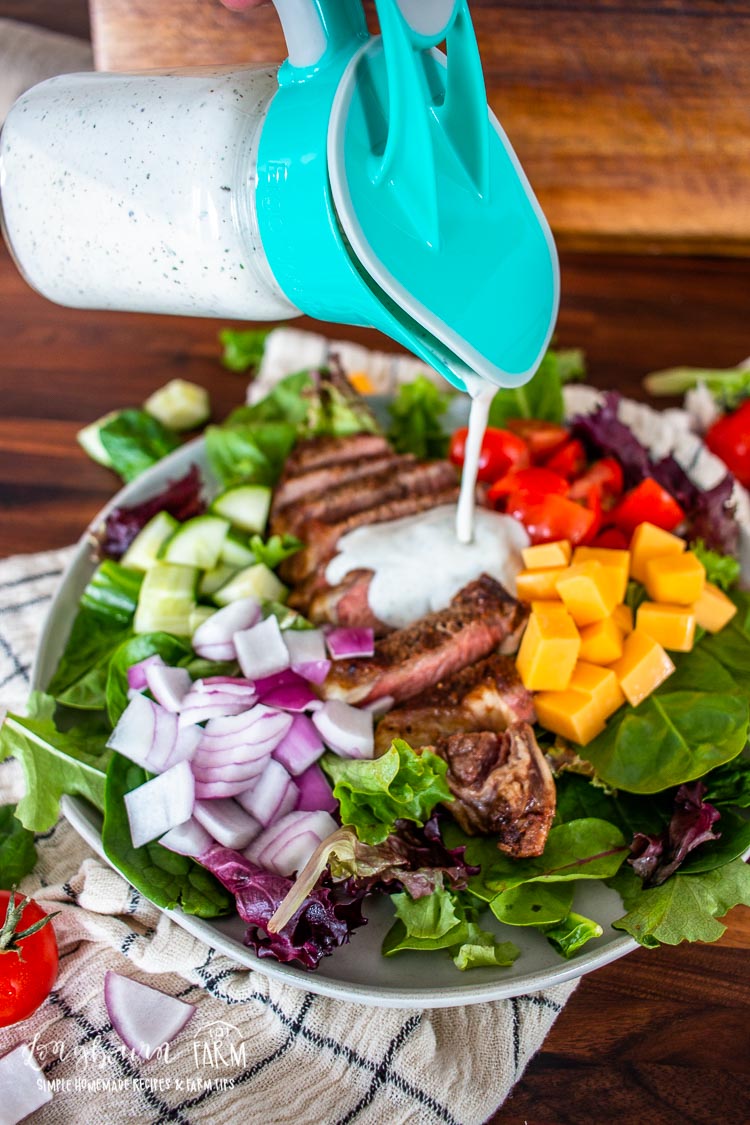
[213,790]
[227,685]
[261,650]
[293,697]
[307,653]
[189,838]
[169,686]
[24,1087]
[137,672]
[218,630]
[280,679]
[145,734]
[230,771]
[346,644]
[347,730]
[217,653]
[379,707]
[184,749]
[160,804]
[300,747]
[272,795]
[314,791]
[144,1018]
[258,727]
[230,825]
[286,846]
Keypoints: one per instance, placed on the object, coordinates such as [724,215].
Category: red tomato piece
[540,481]
[551,518]
[648,501]
[501,451]
[729,439]
[542,438]
[28,965]
[569,460]
[604,478]
[612,538]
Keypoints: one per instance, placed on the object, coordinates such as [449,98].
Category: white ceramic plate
[357,971]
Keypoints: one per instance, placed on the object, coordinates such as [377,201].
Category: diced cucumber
[90,442]
[255,581]
[197,542]
[235,550]
[167,599]
[143,552]
[200,614]
[179,405]
[246,506]
[214,579]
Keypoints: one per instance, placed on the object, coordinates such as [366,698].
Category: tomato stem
[10,935]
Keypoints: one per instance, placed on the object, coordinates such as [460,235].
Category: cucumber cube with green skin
[214,579]
[179,405]
[167,599]
[253,582]
[246,506]
[143,552]
[197,542]
[236,551]
[90,442]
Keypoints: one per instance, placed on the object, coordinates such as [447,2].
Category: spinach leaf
[17,851]
[131,652]
[243,349]
[134,441]
[722,570]
[88,693]
[729,784]
[542,396]
[733,842]
[570,935]
[577,797]
[533,904]
[249,451]
[167,879]
[731,646]
[415,419]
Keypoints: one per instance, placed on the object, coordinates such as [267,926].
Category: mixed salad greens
[652,806]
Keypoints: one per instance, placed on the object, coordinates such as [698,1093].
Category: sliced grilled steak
[316,482]
[317,452]
[502,785]
[486,696]
[347,605]
[410,660]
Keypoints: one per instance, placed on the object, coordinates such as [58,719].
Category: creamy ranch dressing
[419,563]
[481,399]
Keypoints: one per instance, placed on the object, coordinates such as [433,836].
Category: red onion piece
[160,804]
[347,730]
[280,679]
[286,846]
[23,1084]
[217,653]
[272,795]
[137,672]
[145,733]
[228,685]
[213,790]
[169,686]
[293,697]
[144,1018]
[379,707]
[261,650]
[314,791]
[189,838]
[307,653]
[300,747]
[229,824]
[231,771]
[220,627]
[346,644]
[184,749]
[254,728]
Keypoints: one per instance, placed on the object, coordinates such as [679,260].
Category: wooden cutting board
[631,117]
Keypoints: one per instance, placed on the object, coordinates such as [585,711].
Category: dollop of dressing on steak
[419,564]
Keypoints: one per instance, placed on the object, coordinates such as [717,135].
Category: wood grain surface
[660,1037]
[631,117]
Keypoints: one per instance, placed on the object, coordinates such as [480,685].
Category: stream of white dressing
[481,399]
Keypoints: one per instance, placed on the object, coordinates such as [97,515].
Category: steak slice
[410,660]
[347,605]
[502,785]
[317,452]
[486,696]
[290,490]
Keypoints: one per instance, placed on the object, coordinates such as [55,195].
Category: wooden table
[658,1037]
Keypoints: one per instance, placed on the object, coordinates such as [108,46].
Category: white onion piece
[261,650]
[348,731]
[272,796]
[189,838]
[286,846]
[300,747]
[307,654]
[160,804]
[314,791]
[144,1018]
[229,824]
[220,627]
[169,686]
[23,1087]
[137,672]
[346,644]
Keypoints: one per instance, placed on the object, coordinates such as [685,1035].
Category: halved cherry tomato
[594,505]
[569,460]
[729,439]
[612,538]
[541,482]
[501,451]
[603,477]
[554,517]
[648,501]
[542,438]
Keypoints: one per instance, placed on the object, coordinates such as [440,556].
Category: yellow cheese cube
[548,652]
[601,643]
[589,591]
[538,585]
[550,609]
[362,383]
[651,542]
[572,714]
[600,684]
[713,609]
[545,555]
[673,626]
[609,557]
[675,579]
[622,615]
[642,667]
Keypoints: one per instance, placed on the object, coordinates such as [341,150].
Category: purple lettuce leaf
[655,858]
[181,499]
[325,920]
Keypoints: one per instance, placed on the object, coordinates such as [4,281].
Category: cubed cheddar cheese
[549,650]
[673,626]
[599,683]
[622,615]
[651,542]
[643,666]
[612,559]
[572,714]
[601,642]
[713,609]
[362,383]
[589,591]
[543,556]
[675,579]
[538,585]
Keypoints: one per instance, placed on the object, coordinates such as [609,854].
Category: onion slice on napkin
[144,1018]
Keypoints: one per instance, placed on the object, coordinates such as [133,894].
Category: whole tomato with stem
[28,957]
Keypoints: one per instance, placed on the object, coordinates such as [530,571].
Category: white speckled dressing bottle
[138,192]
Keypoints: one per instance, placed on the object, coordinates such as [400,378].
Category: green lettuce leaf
[252,452]
[171,649]
[375,793]
[243,349]
[17,851]
[415,419]
[134,441]
[722,570]
[542,396]
[443,921]
[570,935]
[275,549]
[480,949]
[533,904]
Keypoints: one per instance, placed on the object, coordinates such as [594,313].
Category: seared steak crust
[317,452]
[317,482]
